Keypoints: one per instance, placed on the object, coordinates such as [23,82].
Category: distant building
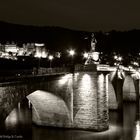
[13,48]
[9,50]
[28,49]
[2,48]
[40,50]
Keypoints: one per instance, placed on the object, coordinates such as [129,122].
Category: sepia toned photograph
[70,69]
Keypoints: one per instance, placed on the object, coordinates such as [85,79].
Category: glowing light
[39,44]
[120,58]
[51,57]
[44,54]
[71,52]
[137,137]
[86,77]
[85,55]
[95,56]
[115,57]
[38,54]
[136,63]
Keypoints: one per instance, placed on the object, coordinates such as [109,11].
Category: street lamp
[85,55]
[50,58]
[120,58]
[38,56]
[72,52]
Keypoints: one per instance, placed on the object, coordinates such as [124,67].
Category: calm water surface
[124,125]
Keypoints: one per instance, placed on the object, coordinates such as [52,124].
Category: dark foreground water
[124,125]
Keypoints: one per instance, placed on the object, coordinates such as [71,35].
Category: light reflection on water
[118,129]
[12,119]
[137,137]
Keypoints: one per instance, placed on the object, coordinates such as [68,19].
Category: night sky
[88,15]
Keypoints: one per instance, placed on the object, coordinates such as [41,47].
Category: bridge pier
[84,104]
[91,99]
[126,88]
[71,101]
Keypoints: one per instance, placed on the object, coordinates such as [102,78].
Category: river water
[123,125]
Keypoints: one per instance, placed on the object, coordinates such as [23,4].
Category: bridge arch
[49,109]
[129,90]
[62,90]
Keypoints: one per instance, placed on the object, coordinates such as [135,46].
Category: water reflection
[19,122]
[137,136]
[12,119]
[126,128]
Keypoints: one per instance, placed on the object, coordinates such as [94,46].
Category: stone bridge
[78,100]
[123,85]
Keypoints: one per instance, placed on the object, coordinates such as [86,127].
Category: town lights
[115,57]
[38,55]
[136,63]
[118,58]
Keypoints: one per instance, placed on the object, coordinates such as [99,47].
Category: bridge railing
[94,67]
[43,71]
[16,74]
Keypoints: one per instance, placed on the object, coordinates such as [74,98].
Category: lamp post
[38,56]
[51,58]
[72,53]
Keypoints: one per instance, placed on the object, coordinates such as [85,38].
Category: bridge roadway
[78,100]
